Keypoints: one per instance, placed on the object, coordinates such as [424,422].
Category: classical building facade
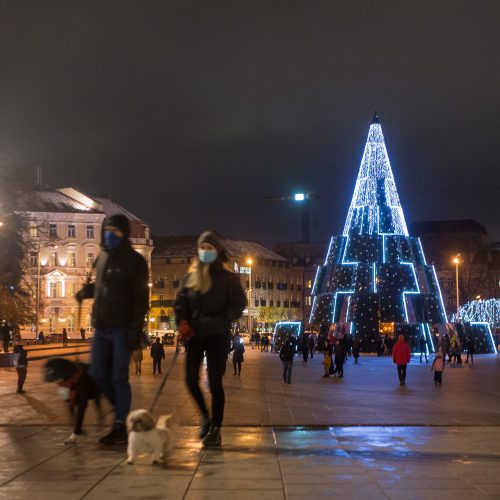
[64,236]
[305,257]
[274,287]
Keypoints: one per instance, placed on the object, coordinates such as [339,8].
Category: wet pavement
[363,436]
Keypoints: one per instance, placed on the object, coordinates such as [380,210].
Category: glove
[185,331]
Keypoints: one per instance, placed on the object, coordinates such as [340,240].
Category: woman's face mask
[207,256]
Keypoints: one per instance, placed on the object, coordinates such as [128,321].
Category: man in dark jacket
[5,330]
[157,353]
[120,294]
[287,352]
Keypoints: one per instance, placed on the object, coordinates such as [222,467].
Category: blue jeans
[109,367]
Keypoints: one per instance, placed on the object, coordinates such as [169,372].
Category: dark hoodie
[120,291]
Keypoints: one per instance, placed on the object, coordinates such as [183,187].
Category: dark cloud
[190,112]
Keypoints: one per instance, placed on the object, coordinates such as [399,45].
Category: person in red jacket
[401,356]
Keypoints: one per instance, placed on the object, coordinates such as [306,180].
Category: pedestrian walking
[327,361]
[64,338]
[287,352]
[444,345]
[312,345]
[304,347]
[210,299]
[120,294]
[422,343]
[21,364]
[471,349]
[401,356]
[137,358]
[438,368]
[157,353]
[82,334]
[456,349]
[41,338]
[356,346]
[5,331]
[238,350]
[340,356]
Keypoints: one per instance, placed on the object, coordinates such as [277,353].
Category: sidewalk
[363,436]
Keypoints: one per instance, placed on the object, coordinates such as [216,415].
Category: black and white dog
[78,386]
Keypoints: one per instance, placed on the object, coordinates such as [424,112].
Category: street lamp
[249,263]
[150,286]
[456,261]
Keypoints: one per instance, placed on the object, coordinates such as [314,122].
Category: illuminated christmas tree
[375,278]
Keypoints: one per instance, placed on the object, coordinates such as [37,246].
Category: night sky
[189,113]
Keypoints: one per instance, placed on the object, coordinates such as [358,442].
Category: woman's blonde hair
[199,276]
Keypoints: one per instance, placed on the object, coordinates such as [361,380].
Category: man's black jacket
[120,292]
[211,313]
[157,351]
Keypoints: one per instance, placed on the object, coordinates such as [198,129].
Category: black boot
[204,427]
[213,437]
[118,435]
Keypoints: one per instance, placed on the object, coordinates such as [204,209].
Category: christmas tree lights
[484,311]
[375,275]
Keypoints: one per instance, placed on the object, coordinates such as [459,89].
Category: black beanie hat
[214,239]
[120,222]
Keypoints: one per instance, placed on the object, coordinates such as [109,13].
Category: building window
[90,259]
[161,297]
[271,303]
[308,300]
[71,231]
[53,259]
[71,259]
[90,232]
[286,303]
[263,302]
[53,230]
[33,258]
[309,284]
[175,283]
[33,232]
[256,303]
[278,303]
[53,290]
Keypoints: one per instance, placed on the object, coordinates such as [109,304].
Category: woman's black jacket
[213,312]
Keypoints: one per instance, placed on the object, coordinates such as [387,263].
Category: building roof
[51,200]
[446,226]
[110,207]
[185,246]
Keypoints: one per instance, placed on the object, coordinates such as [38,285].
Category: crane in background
[304,198]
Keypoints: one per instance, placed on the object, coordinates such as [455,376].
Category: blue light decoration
[483,311]
[375,276]
[480,331]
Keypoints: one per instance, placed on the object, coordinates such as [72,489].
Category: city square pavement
[363,436]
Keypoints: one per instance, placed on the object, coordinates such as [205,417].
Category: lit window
[71,259]
[53,259]
[53,290]
[90,232]
[71,231]
[33,232]
[309,284]
[308,300]
[90,259]
[33,259]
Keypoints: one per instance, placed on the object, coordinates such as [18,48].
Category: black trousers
[438,377]
[216,348]
[237,364]
[402,373]
[156,365]
[287,371]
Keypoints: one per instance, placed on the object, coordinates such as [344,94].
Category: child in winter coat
[438,368]
[327,362]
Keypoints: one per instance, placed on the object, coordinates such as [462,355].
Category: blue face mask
[207,256]
[111,241]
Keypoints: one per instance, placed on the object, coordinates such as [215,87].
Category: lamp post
[150,286]
[456,261]
[249,263]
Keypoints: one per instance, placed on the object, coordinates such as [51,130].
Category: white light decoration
[375,189]
[482,311]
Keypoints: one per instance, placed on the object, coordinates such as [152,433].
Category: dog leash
[164,381]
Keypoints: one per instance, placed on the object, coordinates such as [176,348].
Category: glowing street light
[249,263]
[299,197]
[456,261]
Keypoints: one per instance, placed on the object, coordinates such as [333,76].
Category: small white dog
[146,438]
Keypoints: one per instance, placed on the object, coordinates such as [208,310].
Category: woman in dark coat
[238,350]
[210,299]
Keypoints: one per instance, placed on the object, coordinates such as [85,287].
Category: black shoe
[20,391]
[213,437]
[118,435]
[204,427]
